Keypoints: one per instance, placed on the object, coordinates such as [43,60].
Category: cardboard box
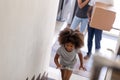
[108,2]
[103,16]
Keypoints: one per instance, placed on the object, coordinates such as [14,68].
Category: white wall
[26,31]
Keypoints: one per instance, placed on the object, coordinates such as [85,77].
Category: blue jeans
[77,21]
[98,37]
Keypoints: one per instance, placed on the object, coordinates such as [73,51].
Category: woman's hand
[89,19]
[82,67]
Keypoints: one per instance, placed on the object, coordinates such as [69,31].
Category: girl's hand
[82,68]
[59,66]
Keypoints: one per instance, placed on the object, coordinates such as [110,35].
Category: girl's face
[69,46]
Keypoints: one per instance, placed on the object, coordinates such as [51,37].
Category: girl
[71,41]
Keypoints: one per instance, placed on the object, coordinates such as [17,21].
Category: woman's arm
[89,12]
[56,61]
[82,4]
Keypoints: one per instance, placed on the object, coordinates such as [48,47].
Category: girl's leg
[66,74]
[62,73]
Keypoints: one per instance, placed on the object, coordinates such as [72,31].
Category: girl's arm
[56,61]
[81,60]
[82,4]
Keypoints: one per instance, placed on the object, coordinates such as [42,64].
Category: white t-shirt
[91,3]
[67,59]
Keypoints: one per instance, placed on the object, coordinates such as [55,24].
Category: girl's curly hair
[74,36]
